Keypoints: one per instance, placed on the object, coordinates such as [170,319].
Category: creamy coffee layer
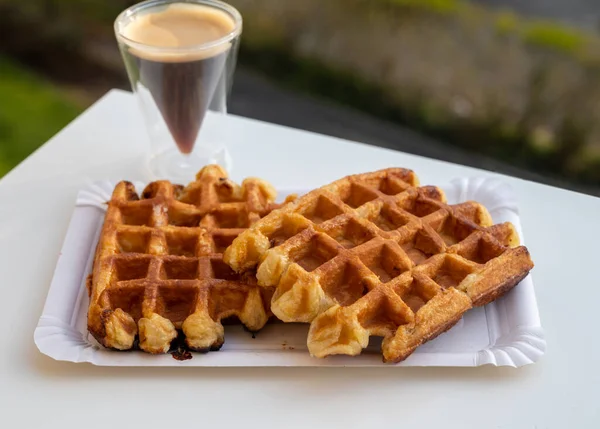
[179,25]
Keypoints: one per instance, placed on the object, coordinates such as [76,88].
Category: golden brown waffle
[158,265]
[373,254]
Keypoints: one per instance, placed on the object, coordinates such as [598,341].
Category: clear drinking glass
[176,80]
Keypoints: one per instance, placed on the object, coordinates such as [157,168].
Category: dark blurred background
[504,85]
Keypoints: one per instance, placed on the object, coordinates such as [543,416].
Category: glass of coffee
[180,58]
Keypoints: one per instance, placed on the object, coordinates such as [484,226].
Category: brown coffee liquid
[182,81]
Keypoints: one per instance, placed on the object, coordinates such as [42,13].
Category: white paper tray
[506,332]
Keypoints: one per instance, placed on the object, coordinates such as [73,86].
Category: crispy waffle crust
[374,254]
[158,266]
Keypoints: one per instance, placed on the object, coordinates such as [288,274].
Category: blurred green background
[499,84]
[32,111]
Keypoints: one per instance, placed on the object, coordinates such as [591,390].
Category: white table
[562,230]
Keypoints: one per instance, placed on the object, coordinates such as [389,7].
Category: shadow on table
[321,379]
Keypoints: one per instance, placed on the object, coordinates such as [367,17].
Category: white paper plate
[506,332]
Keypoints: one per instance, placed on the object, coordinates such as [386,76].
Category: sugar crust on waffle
[374,254]
[158,265]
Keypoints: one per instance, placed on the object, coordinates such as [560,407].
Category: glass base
[179,168]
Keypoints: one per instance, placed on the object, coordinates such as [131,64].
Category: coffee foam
[179,26]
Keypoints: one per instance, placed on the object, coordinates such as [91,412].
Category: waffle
[376,255]
[158,266]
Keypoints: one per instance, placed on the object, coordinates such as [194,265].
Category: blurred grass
[507,22]
[31,111]
[543,33]
[559,37]
[439,6]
